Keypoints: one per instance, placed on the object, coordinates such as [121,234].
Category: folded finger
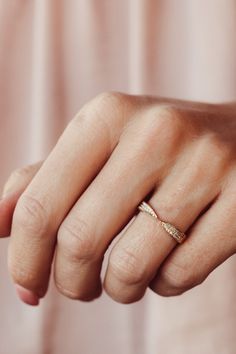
[77,157]
[137,256]
[211,241]
[109,202]
[101,212]
[12,190]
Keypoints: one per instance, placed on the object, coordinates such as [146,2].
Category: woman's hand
[117,151]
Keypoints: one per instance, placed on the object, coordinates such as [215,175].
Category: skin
[117,151]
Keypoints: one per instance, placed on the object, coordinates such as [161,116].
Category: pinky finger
[13,188]
[210,242]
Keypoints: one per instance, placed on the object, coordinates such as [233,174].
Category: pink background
[54,56]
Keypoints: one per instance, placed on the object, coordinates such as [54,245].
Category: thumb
[12,190]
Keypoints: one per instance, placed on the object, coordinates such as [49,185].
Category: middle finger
[101,212]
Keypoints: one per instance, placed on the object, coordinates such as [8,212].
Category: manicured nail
[27,296]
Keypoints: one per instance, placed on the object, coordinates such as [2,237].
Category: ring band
[171,229]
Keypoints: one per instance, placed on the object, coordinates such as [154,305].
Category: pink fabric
[56,55]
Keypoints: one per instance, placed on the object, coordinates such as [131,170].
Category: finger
[13,188]
[20,178]
[95,219]
[180,199]
[77,157]
[109,203]
[211,241]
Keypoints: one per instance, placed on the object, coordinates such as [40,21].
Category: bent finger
[12,190]
[211,241]
[79,154]
[137,256]
[131,172]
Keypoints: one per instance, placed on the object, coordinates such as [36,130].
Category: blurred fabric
[56,55]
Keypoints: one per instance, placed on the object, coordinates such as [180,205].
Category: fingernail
[27,296]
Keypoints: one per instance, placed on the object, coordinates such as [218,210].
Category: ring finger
[188,189]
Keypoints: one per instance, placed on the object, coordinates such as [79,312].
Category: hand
[118,150]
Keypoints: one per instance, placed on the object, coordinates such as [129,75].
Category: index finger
[79,154]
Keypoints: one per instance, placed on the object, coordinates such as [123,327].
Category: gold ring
[178,235]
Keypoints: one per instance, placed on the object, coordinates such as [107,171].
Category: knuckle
[76,239]
[105,114]
[165,121]
[113,99]
[176,280]
[99,116]
[31,214]
[105,102]
[127,268]
[101,107]
[216,148]
[161,127]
